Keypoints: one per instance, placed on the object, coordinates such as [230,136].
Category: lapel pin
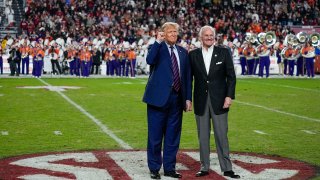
[215,55]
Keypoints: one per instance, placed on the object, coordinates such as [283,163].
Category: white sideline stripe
[308,132]
[103,127]
[4,133]
[277,111]
[286,86]
[259,132]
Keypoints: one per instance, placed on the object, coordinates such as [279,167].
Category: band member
[291,56]
[264,53]
[72,60]
[277,50]
[131,56]
[107,60]
[300,66]
[25,50]
[38,63]
[122,61]
[85,58]
[249,52]
[308,52]
[243,61]
[1,60]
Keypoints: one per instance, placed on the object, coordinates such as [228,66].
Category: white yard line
[308,132]
[4,133]
[279,85]
[278,111]
[103,127]
[259,132]
[57,132]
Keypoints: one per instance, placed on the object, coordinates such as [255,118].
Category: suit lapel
[200,60]
[213,60]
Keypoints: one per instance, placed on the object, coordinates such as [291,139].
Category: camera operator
[14,61]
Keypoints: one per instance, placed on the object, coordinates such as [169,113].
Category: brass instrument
[261,37]
[302,37]
[250,37]
[270,38]
[315,39]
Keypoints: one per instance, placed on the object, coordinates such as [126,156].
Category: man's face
[171,35]
[207,37]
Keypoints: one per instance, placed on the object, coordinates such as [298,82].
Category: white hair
[207,27]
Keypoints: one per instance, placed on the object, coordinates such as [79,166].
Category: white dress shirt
[207,55]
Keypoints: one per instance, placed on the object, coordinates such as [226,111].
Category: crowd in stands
[133,20]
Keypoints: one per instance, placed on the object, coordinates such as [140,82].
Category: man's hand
[227,102]
[160,37]
[188,106]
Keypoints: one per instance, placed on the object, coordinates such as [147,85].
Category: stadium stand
[133,23]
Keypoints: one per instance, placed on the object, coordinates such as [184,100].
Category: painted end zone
[133,165]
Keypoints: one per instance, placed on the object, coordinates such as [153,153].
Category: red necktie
[175,70]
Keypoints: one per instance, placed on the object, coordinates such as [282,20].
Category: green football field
[269,116]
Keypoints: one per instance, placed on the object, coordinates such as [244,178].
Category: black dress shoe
[173,174]
[231,174]
[155,175]
[202,173]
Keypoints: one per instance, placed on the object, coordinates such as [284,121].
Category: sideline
[278,111]
[279,85]
[103,127]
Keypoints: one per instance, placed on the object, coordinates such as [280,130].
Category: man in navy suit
[167,94]
[214,88]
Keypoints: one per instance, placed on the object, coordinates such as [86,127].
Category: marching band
[83,58]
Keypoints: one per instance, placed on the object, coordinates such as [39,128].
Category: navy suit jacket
[160,81]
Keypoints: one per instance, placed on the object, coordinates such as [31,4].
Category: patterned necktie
[175,70]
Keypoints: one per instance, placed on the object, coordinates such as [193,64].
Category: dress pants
[164,123]
[220,128]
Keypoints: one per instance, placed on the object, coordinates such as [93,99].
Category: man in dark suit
[167,94]
[214,88]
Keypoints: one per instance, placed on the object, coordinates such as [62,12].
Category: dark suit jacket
[220,82]
[160,81]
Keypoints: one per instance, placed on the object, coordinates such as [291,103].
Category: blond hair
[169,24]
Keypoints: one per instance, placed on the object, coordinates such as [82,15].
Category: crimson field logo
[123,165]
